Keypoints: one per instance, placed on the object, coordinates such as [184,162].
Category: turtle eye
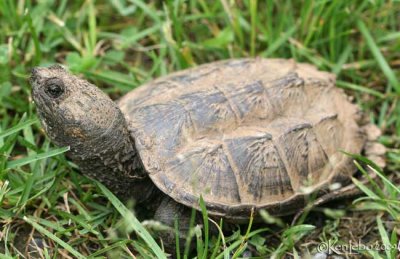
[54,88]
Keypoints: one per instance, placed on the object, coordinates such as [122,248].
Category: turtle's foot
[169,212]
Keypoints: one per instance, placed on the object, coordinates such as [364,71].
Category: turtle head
[76,113]
[72,111]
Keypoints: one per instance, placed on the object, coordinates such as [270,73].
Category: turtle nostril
[34,78]
[34,72]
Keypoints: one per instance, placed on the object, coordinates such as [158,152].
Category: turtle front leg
[166,213]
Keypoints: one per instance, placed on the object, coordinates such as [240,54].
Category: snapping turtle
[243,133]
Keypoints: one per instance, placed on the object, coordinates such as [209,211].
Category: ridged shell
[244,133]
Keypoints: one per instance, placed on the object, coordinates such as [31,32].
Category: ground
[119,45]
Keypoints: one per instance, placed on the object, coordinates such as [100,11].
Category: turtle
[243,134]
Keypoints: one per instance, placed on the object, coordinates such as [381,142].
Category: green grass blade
[92,27]
[394,241]
[56,239]
[390,37]
[38,51]
[360,88]
[21,125]
[114,78]
[280,41]
[243,244]
[132,221]
[384,237]
[225,254]
[386,180]
[389,73]
[177,245]
[205,222]
[109,248]
[253,16]
[4,256]
[146,9]
[342,59]
[365,189]
[30,159]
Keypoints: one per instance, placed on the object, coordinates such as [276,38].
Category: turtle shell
[244,134]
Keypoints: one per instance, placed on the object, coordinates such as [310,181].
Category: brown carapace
[246,133]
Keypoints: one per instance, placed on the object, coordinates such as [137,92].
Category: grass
[120,44]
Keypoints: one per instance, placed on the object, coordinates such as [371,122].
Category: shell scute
[259,167]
